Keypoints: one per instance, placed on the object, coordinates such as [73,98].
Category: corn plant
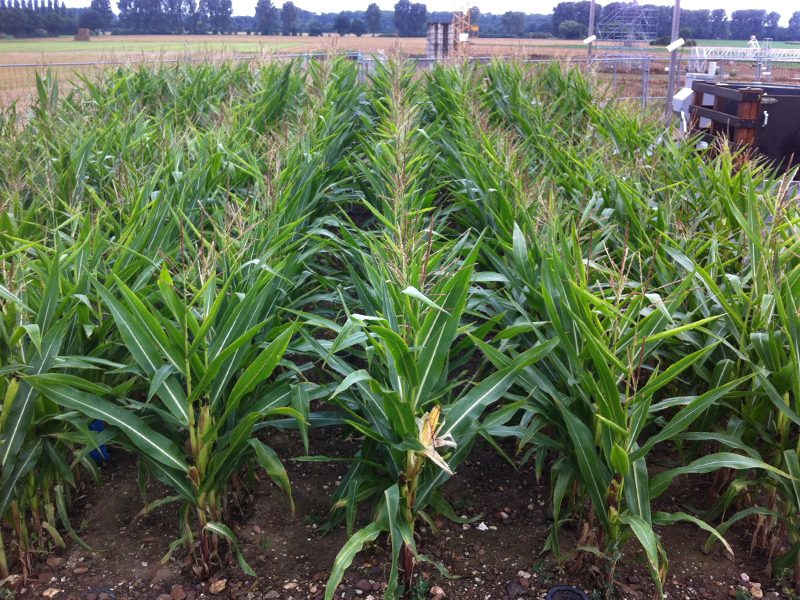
[416,429]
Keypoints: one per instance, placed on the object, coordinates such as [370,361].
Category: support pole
[591,29]
[673,59]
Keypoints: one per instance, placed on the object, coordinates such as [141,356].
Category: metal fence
[635,78]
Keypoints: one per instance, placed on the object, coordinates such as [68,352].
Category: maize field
[498,259]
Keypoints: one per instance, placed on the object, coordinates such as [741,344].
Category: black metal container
[778,130]
[566,592]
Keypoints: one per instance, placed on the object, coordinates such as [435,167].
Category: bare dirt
[292,561]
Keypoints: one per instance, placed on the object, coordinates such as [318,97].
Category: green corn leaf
[222,530]
[348,552]
[267,458]
[149,441]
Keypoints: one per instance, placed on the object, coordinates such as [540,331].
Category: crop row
[497,252]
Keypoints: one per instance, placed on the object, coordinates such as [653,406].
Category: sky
[247,7]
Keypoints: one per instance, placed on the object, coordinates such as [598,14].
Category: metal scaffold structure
[763,57]
[627,30]
[463,29]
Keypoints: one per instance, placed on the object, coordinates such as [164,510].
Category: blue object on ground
[102,453]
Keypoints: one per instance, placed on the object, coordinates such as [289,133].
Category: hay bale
[83,35]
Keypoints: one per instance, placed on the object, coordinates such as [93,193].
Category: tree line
[43,18]
[569,20]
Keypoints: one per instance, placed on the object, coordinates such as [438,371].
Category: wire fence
[635,78]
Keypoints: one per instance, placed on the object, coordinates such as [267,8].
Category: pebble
[51,593]
[290,586]
[256,529]
[437,591]
[514,589]
[744,577]
[217,586]
[523,574]
[756,592]
[55,562]
[633,579]
[81,570]
[178,593]
[271,594]
[364,585]
[164,597]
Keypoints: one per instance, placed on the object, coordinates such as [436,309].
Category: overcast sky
[247,7]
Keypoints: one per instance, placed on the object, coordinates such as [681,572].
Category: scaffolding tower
[627,30]
[463,29]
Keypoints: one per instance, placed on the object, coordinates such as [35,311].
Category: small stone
[256,529]
[290,586]
[217,586]
[148,540]
[514,589]
[507,521]
[756,592]
[55,562]
[438,597]
[91,596]
[524,582]
[178,593]
[436,591]
[271,594]
[466,526]
[633,579]
[81,570]
[732,593]
[51,593]
[744,577]
[365,585]
[44,577]
[523,574]
[754,584]
[164,597]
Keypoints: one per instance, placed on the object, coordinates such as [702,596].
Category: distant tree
[402,16]
[91,19]
[342,24]
[513,23]
[685,33]
[719,24]
[745,23]
[410,19]
[564,11]
[52,23]
[374,18]
[419,19]
[569,30]
[289,18]
[14,22]
[103,7]
[218,13]
[266,17]
[36,6]
[794,25]
[315,29]
[771,24]
[358,28]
